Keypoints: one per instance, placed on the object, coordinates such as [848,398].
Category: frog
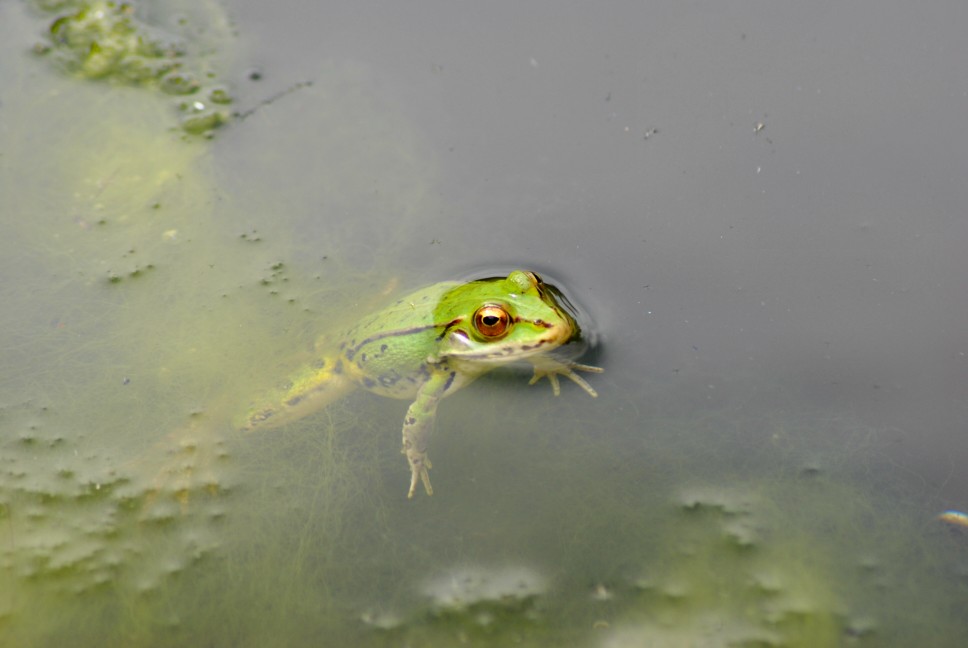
[430,344]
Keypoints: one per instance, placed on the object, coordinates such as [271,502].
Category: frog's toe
[419,465]
[552,377]
[578,380]
[550,368]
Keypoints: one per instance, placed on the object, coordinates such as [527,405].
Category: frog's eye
[492,321]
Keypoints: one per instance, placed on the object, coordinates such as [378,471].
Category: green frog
[429,344]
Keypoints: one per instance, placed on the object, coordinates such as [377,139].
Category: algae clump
[106,40]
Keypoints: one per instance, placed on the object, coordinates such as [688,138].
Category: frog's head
[503,319]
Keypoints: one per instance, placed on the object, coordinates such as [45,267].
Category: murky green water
[155,278]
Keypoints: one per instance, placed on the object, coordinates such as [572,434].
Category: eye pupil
[491,321]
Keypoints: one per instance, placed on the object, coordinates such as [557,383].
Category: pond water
[759,208]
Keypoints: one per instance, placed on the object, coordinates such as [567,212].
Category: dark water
[760,207]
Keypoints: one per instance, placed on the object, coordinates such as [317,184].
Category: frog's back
[387,352]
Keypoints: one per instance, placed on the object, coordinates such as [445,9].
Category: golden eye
[492,321]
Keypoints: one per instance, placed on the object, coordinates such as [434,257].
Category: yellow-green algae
[130,297]
[108,40]
[151,298]
[147,300]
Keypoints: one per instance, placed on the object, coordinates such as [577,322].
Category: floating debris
[602,593]
[470,587]
[955,518]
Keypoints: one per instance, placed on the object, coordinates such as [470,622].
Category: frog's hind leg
[306,391]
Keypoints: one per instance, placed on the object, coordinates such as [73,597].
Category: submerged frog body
[428,345]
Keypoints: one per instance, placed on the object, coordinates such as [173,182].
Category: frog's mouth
[551,337]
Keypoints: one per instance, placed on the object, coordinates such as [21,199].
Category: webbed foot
[550,368]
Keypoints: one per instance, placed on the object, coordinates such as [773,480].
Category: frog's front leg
[419,423]
[550,367]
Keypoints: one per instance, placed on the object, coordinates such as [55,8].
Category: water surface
[760,208]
